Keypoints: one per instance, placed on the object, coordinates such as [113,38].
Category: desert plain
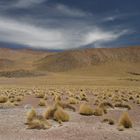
[88,94]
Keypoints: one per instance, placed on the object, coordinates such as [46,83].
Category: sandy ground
[78,128]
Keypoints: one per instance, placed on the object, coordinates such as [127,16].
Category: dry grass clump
[40,95]
[38,124]
[60,115]
[8,104]
[57,113]
[125,120]
[3,99]
[121,105]
[73,100]
[19,98]
[35,121]
[83,97]
[138,101]
[98,111]
[50,112]
[106,105]
[31,114]
[85,109]
[96,102]
[16,103]
[131,98]
[57,98]
[45,97]
[42,102]
[12,100]
[64,105]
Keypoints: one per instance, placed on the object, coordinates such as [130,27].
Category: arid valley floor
[61,96]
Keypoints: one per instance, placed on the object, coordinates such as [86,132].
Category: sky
[69,24]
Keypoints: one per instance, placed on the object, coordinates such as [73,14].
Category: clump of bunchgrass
[60,115]
[42,102]
[106,105]
[39,123]
[3,99]
[121,105]
[31,114]
[49,113]
[98,111]
[85,109]
[40,95]
[125,120]
[73,100]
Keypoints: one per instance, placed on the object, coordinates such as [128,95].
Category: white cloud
[27,3]
[20,33]
[98,35]
[110,18]
[65,10]
[12,31]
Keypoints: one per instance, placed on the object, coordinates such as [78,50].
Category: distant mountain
[6,63]
[11,59]
[28,59]
[69,60]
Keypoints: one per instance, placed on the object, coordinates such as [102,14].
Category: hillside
[75,59]
[11,59]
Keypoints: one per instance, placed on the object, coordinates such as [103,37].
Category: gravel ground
[79,128]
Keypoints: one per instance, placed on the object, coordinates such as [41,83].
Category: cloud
[103,36]
[110,18]
[15,32]
[65,10]
[27,3]
[20,4]
[73,36]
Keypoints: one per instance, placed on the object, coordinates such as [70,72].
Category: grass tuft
[31,114]
[60,115]
[85,110]
[98,111]
[3,99]
[125,120]
[42,102]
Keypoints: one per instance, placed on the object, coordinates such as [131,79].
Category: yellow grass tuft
[85,110]
[73,100]
[45,97]
[60,115]
[98,111]
[42,102]
[3,99]
[39,123]
[31,114]
[19,98]
[40,95]
[125,120]
[64,105]
[49,113]
[106,105]
[121,105]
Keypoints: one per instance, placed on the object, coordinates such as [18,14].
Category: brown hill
[6,63]
[70,60]
[11,59]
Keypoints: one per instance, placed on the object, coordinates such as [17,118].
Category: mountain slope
[6,63]
[11,59]
[71,60]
